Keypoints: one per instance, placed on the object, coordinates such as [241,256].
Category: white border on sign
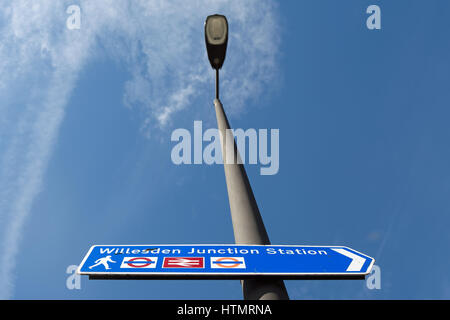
[312,274]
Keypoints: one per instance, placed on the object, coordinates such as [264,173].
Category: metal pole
[217,84]
[248,225]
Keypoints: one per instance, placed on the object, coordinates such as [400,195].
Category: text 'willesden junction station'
[224,261]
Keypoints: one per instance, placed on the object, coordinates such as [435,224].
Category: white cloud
[162,45]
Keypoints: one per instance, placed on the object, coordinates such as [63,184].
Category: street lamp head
[216,38]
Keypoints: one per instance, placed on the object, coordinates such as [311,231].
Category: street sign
[224,261]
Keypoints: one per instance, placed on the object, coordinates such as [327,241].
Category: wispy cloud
[160,43]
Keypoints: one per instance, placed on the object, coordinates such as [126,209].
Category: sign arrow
[357,261]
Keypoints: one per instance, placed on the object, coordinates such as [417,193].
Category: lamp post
[216,39]
[247,222]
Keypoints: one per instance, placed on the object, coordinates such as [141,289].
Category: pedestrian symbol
[104,261]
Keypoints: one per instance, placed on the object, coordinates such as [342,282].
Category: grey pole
[248,225]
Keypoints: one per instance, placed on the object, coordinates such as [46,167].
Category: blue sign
[224,261]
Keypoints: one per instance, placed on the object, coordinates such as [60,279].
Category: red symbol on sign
[184,262]
[220,262]
[139,262]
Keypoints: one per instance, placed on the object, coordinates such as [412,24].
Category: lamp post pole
[247,222]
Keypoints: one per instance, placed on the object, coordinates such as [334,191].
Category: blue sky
[86,119]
